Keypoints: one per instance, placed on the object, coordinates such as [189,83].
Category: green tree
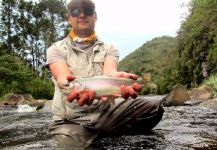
[17,77]
[8,16]
[197,43]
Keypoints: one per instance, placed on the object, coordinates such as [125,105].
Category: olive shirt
[83,60]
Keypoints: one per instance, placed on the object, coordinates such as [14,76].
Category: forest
[28,28]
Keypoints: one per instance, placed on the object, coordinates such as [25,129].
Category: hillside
[156,57]
[151,57]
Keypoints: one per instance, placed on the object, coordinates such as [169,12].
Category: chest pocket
[98,62]
[78,63]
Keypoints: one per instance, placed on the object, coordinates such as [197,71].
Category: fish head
[70,86]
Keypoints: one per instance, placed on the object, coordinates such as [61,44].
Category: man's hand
[125,75]
[61,81]
[128,91]
[83,97]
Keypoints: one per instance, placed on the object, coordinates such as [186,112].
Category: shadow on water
[183,127]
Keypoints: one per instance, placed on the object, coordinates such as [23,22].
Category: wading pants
[131,116]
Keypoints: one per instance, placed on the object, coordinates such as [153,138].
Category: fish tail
[146,79]
[150,84]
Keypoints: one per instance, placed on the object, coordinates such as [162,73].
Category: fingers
[130,91]
[70,77]
[132,76]
[91,95]
[83,97]
[73,95]
[126,75]
[136,86]
[124,92]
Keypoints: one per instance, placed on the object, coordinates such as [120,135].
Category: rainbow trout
[104,85]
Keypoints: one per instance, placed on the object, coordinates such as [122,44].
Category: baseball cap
[78,3]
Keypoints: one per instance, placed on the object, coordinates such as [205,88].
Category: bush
[41,88]
[17,77]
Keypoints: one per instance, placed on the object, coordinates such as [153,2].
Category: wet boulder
[22,99]
[47,107]
[12,99]
[204,92]
[178,96]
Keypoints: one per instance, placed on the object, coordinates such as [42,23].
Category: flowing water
[183,127]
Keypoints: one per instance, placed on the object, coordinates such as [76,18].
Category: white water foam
[26,108]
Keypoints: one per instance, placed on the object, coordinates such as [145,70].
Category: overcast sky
[130,23]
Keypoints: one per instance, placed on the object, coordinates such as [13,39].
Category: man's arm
[111,69]
[60,72]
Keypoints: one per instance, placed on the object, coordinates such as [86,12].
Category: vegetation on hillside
[17,77]
[197,43]
[151,57]
[191,61]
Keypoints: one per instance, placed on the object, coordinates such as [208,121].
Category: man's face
[82,19]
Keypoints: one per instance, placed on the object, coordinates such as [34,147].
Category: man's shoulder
[62,42]
[105,44]
[59,46]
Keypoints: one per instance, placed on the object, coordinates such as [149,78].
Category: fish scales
[102,85]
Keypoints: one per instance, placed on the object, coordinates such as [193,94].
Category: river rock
[212,104]
[194,102]
[204,92]
[47,107]
[11,100]
[22,99]
[177,96]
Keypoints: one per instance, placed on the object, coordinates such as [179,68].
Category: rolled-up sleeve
[113,53]
[53,54]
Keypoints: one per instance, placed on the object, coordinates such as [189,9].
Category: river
[182,127]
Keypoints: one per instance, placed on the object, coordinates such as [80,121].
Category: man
[79,117]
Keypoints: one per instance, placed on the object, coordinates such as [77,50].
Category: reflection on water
[182,127]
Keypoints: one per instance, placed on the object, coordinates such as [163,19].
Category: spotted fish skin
[102,85]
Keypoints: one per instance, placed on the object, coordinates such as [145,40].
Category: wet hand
[83,97]
[125,75]
[62,81]
[128,91]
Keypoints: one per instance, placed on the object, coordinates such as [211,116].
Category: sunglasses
[88,11]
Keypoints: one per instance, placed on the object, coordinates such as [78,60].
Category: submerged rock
[212,104]
[194,102]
